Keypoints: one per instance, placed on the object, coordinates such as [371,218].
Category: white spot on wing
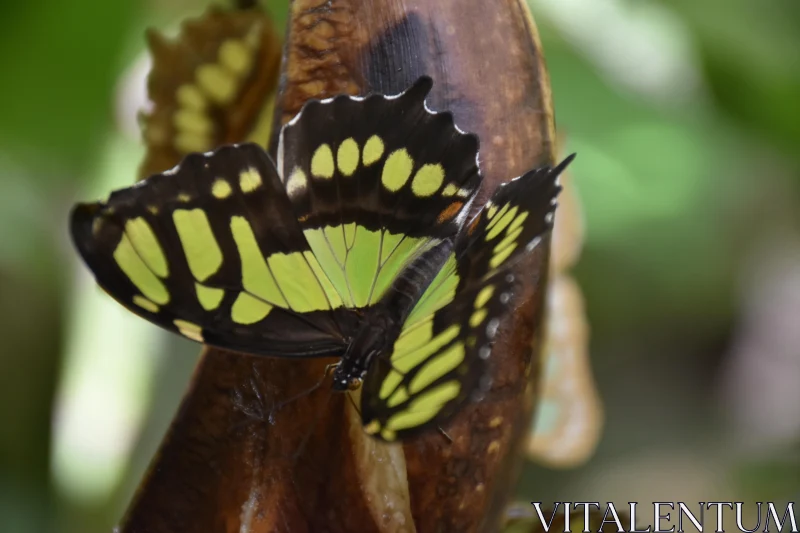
[491,327]
[533,244]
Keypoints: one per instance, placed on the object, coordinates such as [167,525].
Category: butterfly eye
[354,384]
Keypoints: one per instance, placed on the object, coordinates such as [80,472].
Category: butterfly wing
[212,250]
[373,180]
[439,360]
[226,250]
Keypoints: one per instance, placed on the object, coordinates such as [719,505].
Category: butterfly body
[355,244]
[382,325]
[374,337]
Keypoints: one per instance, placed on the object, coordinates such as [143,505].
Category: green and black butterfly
[354,245]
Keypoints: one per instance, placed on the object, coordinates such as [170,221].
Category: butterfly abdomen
[382,326]
[414,279]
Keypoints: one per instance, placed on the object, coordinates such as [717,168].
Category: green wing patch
[212,250]
[439,360]
[373,180]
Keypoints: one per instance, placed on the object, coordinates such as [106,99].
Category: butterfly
[354,244]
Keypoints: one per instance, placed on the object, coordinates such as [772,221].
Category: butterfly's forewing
[373,181]
[212,250]
[439,359]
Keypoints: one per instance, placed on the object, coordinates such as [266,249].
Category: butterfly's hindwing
[372,181]
[212,250]
[436,364]
[509,225]
[439,360]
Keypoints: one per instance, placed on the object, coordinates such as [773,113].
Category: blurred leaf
[751,52]
[60,60]
[657,186]
[774,478]
[26,238]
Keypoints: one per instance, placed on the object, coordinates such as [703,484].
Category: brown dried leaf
[235,54]
[236,459]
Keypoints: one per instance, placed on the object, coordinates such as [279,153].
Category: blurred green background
[686,118]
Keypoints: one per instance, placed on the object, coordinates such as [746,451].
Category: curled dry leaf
[212,85]
[382,474]
[568,233]
[238,457]
[569,420]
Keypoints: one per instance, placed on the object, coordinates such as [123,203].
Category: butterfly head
[346,383]
[347,376]
[373,338]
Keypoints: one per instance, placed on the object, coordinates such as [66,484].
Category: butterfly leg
[353,403]
[328,369]
[299,451]
[445,435]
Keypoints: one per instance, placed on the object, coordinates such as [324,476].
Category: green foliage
[60,61]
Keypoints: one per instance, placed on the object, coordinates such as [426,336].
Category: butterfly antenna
[306,392]
[296,455]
